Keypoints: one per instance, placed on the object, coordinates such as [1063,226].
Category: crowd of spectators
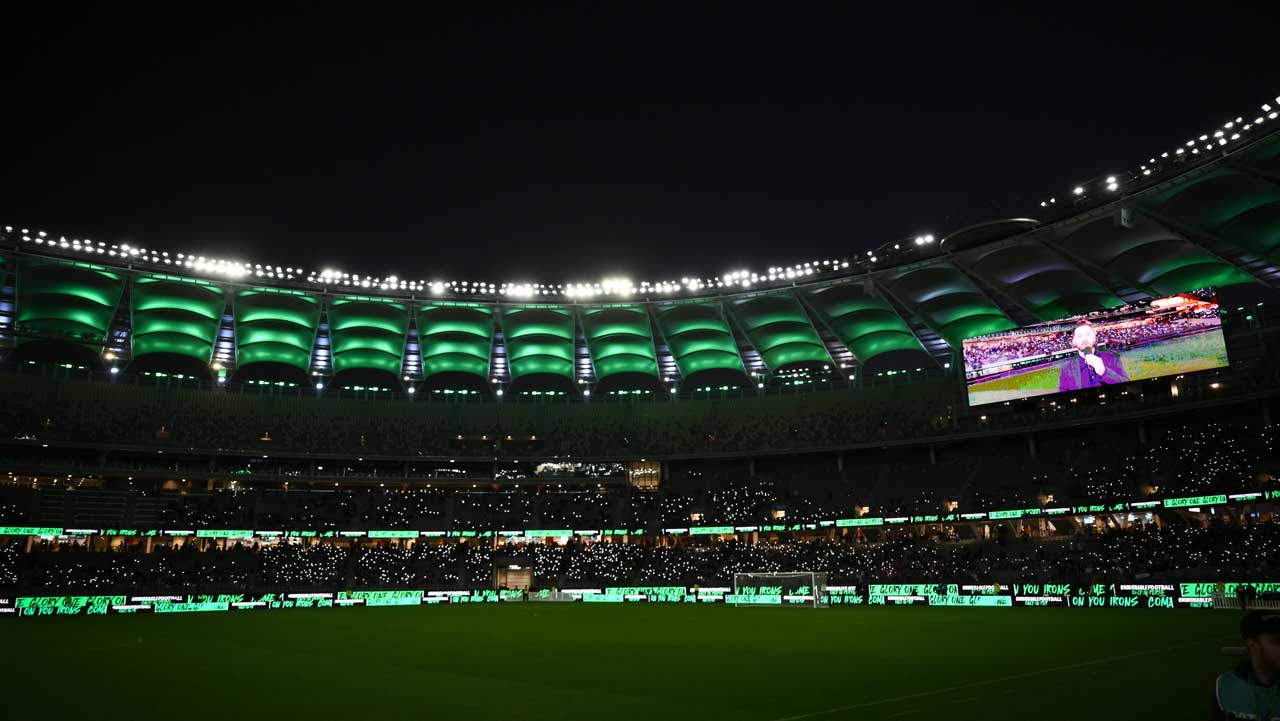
[142,416]
[1090,465]
[1144,553]
[1138,553]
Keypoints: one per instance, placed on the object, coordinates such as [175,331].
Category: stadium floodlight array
[1231,132]
[1234,132]
[1190,503]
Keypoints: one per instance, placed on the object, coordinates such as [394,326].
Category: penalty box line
[1002,679]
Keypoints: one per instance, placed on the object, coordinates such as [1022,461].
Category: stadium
[1030,459]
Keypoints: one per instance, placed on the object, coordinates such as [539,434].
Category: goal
[790,588]
[551,596]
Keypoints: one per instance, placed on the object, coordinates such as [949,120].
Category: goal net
[791,588]
[551,596]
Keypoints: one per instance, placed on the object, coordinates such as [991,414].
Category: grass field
[547,661]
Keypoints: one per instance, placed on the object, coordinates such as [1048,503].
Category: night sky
[569,144]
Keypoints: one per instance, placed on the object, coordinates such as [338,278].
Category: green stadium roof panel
[175,315]
[620,340]
[1257,231]
[368,334]
[539,340]
[1214,200]
[1240,209]
[867,325]
[275,326]
[948,302]
[1152,257]
[67,299]
[699,338]
[1041,280]
[780,330]
[455,338]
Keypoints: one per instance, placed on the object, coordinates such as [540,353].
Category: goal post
[780,588]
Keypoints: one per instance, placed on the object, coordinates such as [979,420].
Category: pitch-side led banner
[1148,339]
[990,595]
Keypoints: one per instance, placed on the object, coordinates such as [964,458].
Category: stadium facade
[378,441]
[1208,219]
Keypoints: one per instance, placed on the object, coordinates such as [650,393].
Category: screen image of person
[1089,367]
[1148,338]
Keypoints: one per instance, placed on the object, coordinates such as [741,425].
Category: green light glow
[699,338]
[849,522]
[66,299]
[368,334]
[620,340]
[275,326]
[780,331]
[1194,501]
[175,315]
[393,534]
[539,340]
[455,338]
[29,531]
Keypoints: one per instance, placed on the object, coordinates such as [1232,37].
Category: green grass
[547,661]
[1039,382]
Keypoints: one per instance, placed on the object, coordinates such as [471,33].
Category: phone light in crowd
[114,370]
[412,390]
[319,386]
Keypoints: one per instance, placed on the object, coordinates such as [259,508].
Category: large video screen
[1162,336]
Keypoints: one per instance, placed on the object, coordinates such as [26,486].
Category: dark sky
[558,145]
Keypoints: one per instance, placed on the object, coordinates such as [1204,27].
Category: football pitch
[619,662]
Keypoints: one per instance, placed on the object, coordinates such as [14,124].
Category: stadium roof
[1209,219]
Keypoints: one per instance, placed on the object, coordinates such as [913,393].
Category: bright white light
[412,390]
[114,370]
[319,386]
[1078,190]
